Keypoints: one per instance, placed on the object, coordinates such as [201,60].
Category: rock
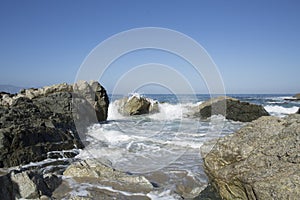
[209,193]
[92,168]
[37,121]
[297,96]
[9,189]
[260,161]
[231,108]
[95,95]
[28,185]
[136,105]
[95,173]
[298,112]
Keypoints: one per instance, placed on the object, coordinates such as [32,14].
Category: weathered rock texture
[231,108]
[137,106]
[37,121]
[27,185]
[260,161]
[96,174]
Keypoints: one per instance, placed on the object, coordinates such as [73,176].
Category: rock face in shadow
[137,106]
[298,112]
[260,161]
[37,121]
[97,174]
[231,108]
[27,185]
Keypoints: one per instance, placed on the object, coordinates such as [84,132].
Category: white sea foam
[167,111]
[165,195]
[113,111]
[280,110]
[158,141]
[185,143]
[137,95]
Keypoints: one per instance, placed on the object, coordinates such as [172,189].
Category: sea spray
[164,146]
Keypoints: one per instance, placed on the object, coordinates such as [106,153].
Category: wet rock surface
[231,108]
[260,161]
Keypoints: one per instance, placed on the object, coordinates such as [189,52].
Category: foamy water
[280,111]
[164,147]
[168,142]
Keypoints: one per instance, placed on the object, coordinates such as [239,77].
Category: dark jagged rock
[298,112]
[37,121]
[260,161]
[231,108]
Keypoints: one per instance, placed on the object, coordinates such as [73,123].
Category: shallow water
[165,146]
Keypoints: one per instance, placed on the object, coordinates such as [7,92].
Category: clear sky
[255,44]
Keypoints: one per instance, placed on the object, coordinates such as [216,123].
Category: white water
[165,143]
[280,111]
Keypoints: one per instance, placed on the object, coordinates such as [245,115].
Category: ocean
[165,146]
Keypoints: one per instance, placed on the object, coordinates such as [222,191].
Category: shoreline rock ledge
[230,108]
[260,161]
[35,122]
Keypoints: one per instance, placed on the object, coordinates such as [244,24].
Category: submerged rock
[231,108]
[260,161]
[37,121]
[136,105]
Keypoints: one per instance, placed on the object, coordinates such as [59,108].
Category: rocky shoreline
[260,161]
[47,125]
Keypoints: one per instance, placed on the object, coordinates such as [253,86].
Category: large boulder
[99,172]
[35,122]
[96,95]
[136,105]
[260,161]
[231,108]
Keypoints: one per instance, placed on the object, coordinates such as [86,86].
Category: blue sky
[255,44]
